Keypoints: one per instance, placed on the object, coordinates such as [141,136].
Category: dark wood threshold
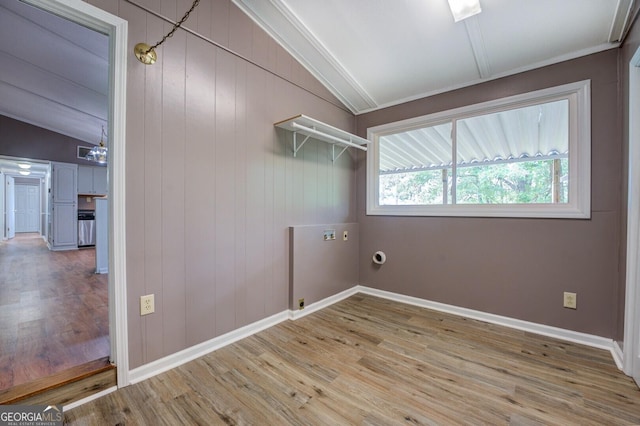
[64,387]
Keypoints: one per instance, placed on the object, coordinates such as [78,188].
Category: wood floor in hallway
[53,311]
[367,360]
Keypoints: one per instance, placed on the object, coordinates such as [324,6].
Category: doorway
[54,325]
[116,30]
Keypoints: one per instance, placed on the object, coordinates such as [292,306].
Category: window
[524,156]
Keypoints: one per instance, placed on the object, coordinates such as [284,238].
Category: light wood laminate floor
[53,311]
[372,361]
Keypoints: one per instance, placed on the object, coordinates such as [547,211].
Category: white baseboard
[174,360]
[159,366]
[294,315]
[545,330]
[89,398]
[618,355]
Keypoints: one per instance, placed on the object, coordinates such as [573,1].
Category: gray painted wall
[518,268]
[23,140]
[322,268]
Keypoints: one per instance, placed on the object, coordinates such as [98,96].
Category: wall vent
[83,151]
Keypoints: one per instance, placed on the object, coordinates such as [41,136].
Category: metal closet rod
[327,136]
[234,53]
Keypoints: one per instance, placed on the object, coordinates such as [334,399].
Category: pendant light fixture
[98,153]
[147,54]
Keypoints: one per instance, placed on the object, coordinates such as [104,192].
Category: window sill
[551,211]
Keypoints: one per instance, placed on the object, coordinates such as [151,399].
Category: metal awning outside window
[534,132]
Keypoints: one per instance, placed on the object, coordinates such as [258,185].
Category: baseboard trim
[297,314]
[90,398]
[545,330]
[618,355]
[164,364]
[174,360]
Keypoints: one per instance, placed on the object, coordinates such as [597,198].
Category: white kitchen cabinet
[64,183]
[92,180]
[64,226]
[63,231]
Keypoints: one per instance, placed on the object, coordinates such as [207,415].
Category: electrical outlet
[570,300]
[301,304]
[345,235]
[329,235]
[147,304]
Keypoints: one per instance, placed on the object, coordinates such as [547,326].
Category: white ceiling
[10,166]
[369,53]
[53,73]
[377,53]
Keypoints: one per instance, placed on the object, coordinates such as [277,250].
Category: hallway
[53,311]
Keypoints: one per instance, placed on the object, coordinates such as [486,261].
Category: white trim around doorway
[116,28]
[631,347]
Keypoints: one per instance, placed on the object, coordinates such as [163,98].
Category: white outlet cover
[147,304]
[570,300]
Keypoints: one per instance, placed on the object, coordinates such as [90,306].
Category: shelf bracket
[333,152]
[297,147]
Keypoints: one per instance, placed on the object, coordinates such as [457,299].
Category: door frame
[117,29]
[3,228]
[9,207]
[631,347]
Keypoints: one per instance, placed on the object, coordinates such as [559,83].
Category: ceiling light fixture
[463,9]
[147,54]
[98,153]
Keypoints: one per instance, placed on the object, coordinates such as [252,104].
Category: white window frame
[579,206]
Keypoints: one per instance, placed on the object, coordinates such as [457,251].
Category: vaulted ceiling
[53,73]
[377,53]
[369,53]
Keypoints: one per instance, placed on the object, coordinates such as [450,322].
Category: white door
[10,207]
[27,208]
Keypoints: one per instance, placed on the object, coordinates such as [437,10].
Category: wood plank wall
[211,186]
